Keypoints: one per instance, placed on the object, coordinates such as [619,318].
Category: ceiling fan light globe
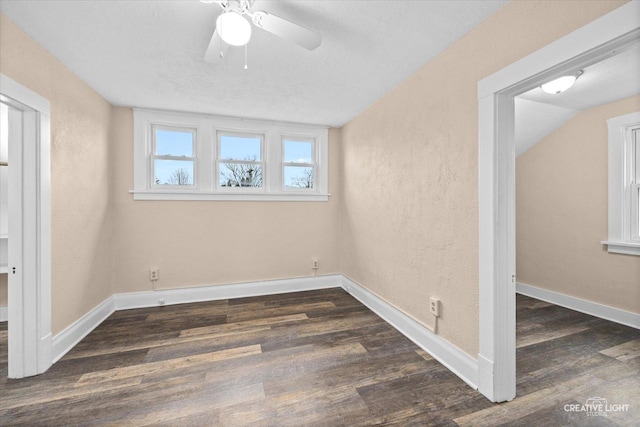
[559,85]
[233,28]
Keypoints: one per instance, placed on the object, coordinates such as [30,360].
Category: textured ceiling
[150,53]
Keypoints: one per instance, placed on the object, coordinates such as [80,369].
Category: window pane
[298,177]
[240,175]
[173,172]
[298,151]
[174,143]
[234,147]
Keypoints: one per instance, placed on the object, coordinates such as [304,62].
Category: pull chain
[245,57]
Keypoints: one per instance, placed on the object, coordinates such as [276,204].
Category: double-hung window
[624,184]
[240,163]
[299,166]
[197,157]
[173,161]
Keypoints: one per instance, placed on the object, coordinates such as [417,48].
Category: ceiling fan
[233,29]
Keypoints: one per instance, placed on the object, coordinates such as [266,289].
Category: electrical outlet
[434,306]
[315,264]
[154,274]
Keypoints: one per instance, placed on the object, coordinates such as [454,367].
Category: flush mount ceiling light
[561,84]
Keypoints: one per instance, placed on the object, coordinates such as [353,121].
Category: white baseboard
[74,333]
[588,307]
[456,360]
[131,300]
[4,314]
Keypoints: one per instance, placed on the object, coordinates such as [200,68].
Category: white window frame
[313,164]
[153,156]
[207,146]
[623,186]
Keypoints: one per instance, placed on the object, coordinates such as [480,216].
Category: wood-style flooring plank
[625,351]
[189,363]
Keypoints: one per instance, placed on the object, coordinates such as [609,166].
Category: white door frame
[496,181]
[29,253]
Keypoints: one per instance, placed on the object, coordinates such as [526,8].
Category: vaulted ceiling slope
[150,53]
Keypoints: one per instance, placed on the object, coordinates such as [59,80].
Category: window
[240,163]
[196,157]
[299,167]
[173,156]
[624,184]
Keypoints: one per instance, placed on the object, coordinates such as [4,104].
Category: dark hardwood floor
[316,358]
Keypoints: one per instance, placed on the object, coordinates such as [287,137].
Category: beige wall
[213,242]
[81,215]
[561,195]
[410,211]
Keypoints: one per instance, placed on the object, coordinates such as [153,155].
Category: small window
[173,159]
[624,184]
[241,160]
[299,166]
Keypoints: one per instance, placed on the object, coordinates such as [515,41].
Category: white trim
[29,307]
[74,333]
[496,198]
[131,300]
[622,247]
[583,306]
[207,162]
[23,95]
[185,195]
[622,209]
[4,314]
[454,359]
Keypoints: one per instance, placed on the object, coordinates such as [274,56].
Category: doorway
[496,181]
[27,126]
[561,143]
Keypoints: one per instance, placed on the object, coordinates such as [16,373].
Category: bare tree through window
[305,180]
[237,174]
[180,177]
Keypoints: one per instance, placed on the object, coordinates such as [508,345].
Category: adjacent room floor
[316,358]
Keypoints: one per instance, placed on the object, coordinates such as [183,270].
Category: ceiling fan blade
[287,30]
[217,49]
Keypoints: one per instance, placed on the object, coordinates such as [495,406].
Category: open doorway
[496,154]
[571,292]
[26,124]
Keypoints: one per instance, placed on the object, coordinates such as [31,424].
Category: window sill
[623,248]
[251,197]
